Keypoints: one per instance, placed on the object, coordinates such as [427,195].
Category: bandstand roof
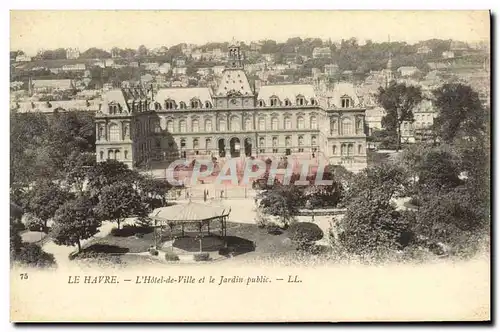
[189,212]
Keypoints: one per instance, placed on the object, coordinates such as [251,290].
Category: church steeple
[235,57]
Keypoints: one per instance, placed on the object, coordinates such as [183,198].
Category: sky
[34,30]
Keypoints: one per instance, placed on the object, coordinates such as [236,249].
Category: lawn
[241,239]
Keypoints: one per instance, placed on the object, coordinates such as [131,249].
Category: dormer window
[301,101]
[208,104]
[262,103]
[275,101]
[169,104]
[113,109]
[157,106]
[346,102]
[182,105]
[313,102]
[287,102]
[195,104]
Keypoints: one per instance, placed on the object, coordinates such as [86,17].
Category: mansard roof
[184,95]
[340,90]
[234,81]
[287,91]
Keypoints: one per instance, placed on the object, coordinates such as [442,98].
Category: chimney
[258,84]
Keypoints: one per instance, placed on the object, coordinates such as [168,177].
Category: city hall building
[145,128]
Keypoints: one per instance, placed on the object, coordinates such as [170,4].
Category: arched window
[195,143]
[314,141]
[262,103]
[110,154]
[262,141]
[113,109]
[314,122]
[235,124]
[314,102]
[182,105]
[195,125]
[101,155]
[346,102]
[300,122]
[275,141]
[350,150]
[169,104]
[117,155]
[274,101]
[360,149]
[208,104]
[274,123]
[334,149]
[248,124]
[300,101]
[125,154]
[222,124]
[288,141]
[343,149]
[262,124]
[208,143]
[157,108]
[359,125]
[208,125]
[301,140]
[288,123]
[334,126]
[182,126]
[170,126]
[195,104]
[346,126]
[288,102]
[156,125]
[183,143]
[114,132]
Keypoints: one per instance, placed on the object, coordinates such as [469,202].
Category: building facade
[147,128]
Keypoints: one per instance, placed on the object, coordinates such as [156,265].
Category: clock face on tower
[234,101]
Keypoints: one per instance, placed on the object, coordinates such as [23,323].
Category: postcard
[250,166]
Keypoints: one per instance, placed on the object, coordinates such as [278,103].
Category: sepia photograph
[250,166]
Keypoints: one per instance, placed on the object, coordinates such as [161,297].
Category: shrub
[273,229]
[415,201]
[304,233]
[171,257]
[201,256]
[33,255]
[35,225]
[153,251]
[261,219]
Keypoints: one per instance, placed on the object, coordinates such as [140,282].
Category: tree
[371,221]
[45,199]
[373,224]
[281,201]
[75,221]
[106,173]
[438,169]
[32,255]
[153,192]
[76,168]
[460,112]
[15,239]
[119,201]
[95,53]
[454,217]
[398,100]
[142,51]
